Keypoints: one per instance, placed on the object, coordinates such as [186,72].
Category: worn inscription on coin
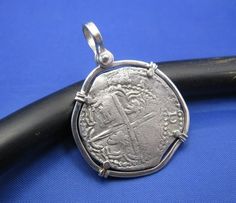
[130,118]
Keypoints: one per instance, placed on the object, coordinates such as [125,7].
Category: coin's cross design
[129,118]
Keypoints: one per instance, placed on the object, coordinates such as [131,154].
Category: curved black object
[45,120]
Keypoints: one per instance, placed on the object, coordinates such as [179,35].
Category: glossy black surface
[48,119]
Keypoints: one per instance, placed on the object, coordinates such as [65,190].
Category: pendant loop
[103,57]
[93,37]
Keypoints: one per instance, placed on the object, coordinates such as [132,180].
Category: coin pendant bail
[103,57]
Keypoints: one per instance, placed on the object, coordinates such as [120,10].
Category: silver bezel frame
[78,105]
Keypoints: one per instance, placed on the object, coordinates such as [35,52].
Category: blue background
[42,49]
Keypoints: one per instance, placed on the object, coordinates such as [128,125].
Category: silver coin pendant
[129,118]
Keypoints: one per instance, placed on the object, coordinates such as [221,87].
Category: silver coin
[130,119]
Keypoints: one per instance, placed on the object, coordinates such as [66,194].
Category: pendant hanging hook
[103,57]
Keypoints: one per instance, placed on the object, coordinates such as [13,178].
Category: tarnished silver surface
[129,118]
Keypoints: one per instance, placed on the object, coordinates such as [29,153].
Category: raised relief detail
[130,119]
